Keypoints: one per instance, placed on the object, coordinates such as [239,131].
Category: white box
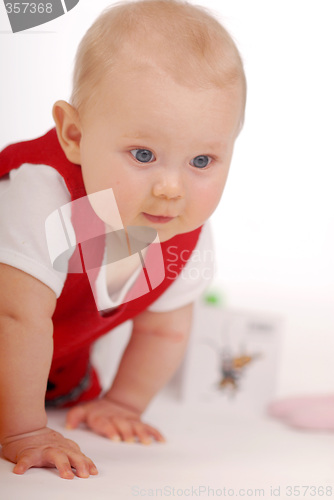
[232,360]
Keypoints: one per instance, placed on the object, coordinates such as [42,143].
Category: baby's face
[163,148]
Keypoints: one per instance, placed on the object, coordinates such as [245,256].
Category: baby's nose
[169,185]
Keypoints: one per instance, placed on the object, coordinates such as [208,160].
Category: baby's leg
[312,412]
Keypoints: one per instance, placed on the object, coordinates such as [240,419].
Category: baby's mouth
[158,219]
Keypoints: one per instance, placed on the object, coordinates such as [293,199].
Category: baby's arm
[26,345]
[154,352]
[156,348]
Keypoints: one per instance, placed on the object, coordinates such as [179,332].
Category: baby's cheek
[127,207]
[209,200]
[201,211]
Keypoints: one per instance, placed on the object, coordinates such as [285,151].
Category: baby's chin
[166,234]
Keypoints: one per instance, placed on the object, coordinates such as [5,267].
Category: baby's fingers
[154,433]
[49,457]
[104,427]
[53,457]
[142,434]
[63,465]
[25,462]
[83,465]
[65,461]
[76,416]
[131,431]
[125,429]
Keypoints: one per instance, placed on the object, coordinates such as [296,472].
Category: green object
[213,298]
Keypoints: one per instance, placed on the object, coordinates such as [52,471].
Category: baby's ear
[68,130]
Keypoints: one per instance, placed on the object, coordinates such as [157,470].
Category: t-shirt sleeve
[28,195]
[195,277]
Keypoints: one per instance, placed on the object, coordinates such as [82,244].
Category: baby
[157,104]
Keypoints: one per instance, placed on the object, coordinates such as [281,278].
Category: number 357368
[28,8]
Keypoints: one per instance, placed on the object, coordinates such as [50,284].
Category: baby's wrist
[124,404]
[10,439]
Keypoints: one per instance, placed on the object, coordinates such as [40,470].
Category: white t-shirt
[29,194]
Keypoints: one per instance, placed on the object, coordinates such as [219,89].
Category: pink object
[308,412]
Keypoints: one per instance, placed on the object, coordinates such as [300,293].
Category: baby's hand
[47,448]
[114,421]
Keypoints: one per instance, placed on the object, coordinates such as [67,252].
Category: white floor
[214,448]
[208,455]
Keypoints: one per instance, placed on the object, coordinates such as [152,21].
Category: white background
[273,228]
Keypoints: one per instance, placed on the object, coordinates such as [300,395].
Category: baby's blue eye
[201,161]
[143,155]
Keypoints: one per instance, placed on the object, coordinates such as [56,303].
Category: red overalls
[77,322]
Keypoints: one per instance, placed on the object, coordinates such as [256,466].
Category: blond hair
[183,40]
